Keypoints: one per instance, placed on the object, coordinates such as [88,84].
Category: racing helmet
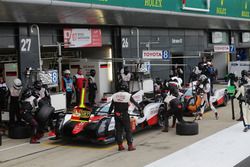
[244,73]
[158,80]
[125,70]
[202,78]
[26,94]
[174,91]
[17,84]
[124,87]
[38,84]
[66,72]
[92,72]
[178,80]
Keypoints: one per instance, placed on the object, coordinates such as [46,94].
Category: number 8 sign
[165,55]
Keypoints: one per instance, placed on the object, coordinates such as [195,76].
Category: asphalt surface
[151,144]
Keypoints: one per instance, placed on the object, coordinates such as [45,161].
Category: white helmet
[66,72]
[179,80]
[17,84]
[203,78]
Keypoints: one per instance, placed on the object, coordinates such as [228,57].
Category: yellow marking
[222,2]
[82,105]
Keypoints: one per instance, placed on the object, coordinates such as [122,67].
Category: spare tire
[44,113]
[19,132]
[187,128]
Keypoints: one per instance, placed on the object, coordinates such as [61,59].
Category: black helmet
[26,94]
[174,91]
[158,80]
[126,71]
[124,87]
[244,73]
[92,72]
[38,84]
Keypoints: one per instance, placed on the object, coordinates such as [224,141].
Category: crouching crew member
[173,107]
[41,92]
[29,106]
[120,103]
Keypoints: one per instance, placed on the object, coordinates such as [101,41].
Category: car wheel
[225,100]
[68,128]
[44,114]
[161,116]
[187,128]
[19,132]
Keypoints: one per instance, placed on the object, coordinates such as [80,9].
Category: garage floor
[152,145]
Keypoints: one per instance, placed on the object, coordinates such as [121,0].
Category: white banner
[74,38]
[152,54]
[221,48]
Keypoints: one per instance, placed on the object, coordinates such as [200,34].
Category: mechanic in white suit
[243,95]
[203,88]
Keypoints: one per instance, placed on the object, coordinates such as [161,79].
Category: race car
[192,101]
[99,127]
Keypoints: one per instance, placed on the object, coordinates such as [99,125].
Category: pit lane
[151,144]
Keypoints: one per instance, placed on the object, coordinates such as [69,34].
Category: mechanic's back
[120,104]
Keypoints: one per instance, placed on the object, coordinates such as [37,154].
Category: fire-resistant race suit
[15,92]
[203,89]
[243,95]
[173,107]
[120,103]
[28,111]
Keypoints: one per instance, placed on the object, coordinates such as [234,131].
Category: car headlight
[102,127]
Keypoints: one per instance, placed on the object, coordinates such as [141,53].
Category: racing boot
[165,129]
[39,135]
[131,147]
[245,129]
[120,147]
[240,119]
[33,140]
[52,135]
[200,116]
[216,116]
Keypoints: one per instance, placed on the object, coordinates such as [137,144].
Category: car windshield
[103,110]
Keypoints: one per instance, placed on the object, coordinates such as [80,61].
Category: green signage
[228,8]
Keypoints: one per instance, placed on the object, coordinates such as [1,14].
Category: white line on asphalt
[225,148]
[9,148]
[19,145]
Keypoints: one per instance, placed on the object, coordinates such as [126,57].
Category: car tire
[19,132]
[68,128]
[44,114]
[161,116]
[225,100]
[187,128]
